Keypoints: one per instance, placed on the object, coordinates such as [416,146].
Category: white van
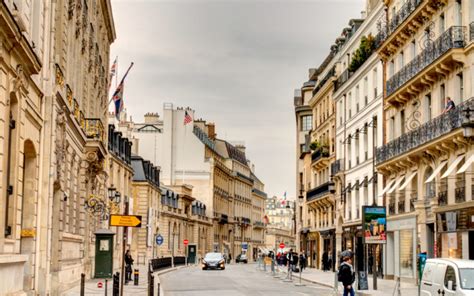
[447,277]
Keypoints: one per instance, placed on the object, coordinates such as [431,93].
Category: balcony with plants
[456,122]
[320,154]
[408,19]
[438,58]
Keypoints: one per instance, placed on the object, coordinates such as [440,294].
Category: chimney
[211,131]
[240,147]
[151,118]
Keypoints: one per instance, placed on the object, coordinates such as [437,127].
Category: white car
[447,277]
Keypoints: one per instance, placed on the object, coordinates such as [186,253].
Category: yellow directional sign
[126,220]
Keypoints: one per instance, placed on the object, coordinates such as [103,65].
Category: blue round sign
[159,240]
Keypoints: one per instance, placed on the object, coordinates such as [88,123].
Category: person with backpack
[346,275]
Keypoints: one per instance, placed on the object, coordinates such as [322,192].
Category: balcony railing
[323,81]
[454,37]
[443,198]
[429,131]
[343,78]
[224,219]
[460,194]
[94,129]
[318,154]
[337,167]
[401,206]
[319,191]
[402,14]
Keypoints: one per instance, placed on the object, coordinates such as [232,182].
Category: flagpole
[116,72]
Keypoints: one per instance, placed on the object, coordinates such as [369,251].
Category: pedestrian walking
[325,261]
[128,266]
[346,275]
[330,267]
[230,258]
[302,260]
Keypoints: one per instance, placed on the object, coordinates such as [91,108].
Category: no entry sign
[282,245]
[186,242]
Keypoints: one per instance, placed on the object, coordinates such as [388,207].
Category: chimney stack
[211,131]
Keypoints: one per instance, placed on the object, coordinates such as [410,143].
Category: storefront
[401,248]
[313,248]
[353,239]
[328,241]
[455,233]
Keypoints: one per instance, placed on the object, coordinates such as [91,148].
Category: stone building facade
[426,157]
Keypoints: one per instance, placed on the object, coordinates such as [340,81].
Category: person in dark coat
[325,261]
[128,266]
[346,275]
[303,260]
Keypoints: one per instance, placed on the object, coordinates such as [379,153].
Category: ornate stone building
[426,159]
[258,215]
[75,108]
[23,240]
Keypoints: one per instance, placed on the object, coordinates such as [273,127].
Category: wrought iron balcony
[94,129]
[343,78]
[323,81]
[259,224]
[401,206]
[319,154]
[400,16]
[460,194]
[245,221]
[319,191]
[337,166]
[462,115]
[454,37]
[443,198]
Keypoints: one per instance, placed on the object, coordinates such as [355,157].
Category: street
[236,279]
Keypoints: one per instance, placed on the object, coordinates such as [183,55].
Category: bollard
[106,282]
[83,281]
[264,265]
[273,266]
[151,285]
[116,284]
[135,277]
[158,289]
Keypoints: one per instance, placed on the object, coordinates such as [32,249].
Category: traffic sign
[282,245]
[99,285]
[159,240]
[186,242]
[126,220]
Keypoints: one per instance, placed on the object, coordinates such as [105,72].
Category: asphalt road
[235,280]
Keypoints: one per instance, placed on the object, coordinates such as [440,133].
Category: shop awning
[399,180]
[407,181]
[453,166]
[466,165]
[389,185]
[436,171]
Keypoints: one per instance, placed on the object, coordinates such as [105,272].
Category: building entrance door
[104,253]
[471,245]
[192,253]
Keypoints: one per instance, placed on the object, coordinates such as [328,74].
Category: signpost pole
[124,243]
[374,267]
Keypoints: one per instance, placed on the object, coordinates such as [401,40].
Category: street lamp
[97,206]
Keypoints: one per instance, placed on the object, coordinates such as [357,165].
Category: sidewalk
[140,290]
[327,279]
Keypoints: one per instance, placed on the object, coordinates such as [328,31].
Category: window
[442,96]
[392,127]
[349,103]
[402,121]
[429,114]
[401,60]
[391,68]
[341,111]
[357,98]
[460,79]
[413,49]
[306,123]
[441,24]
[450,278]
[302,148]
[366,90]
[375,82]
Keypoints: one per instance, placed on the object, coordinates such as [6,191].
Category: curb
[165,271]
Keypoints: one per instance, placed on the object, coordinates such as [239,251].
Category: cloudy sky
[236,62]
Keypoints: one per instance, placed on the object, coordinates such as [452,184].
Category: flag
[118,95]
[113,71]
[187,118]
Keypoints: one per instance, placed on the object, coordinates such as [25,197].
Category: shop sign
[374,224]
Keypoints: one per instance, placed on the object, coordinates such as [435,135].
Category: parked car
[213,261]
[241,258]
[448,277]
